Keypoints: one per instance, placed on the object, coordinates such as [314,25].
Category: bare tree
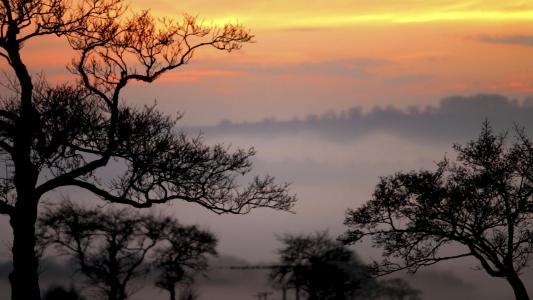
[57,136]
[319,266]
[183,255]
[116,247]
[482,202]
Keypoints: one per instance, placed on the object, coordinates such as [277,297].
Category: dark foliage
[320,269]
[182,256]
[61,293]
[482,202]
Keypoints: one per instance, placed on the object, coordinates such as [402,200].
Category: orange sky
[315,56]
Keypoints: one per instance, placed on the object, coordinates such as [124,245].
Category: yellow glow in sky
[319,13]
[341,20]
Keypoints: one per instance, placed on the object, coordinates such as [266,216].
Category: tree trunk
[113,292]
[24,278]
[519,289]
[122,293]
[312,295]
[172,293]
[112,295]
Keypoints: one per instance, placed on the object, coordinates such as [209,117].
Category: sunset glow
[279,14]
[420,51]
[340,20]
[336,55]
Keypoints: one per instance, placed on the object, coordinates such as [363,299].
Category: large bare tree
[57,136]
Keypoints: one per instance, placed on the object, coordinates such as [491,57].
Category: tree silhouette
[116,247]
[320,267]
[57,136]
[482,202]
[183,255]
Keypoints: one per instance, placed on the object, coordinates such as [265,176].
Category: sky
[333,95]
[313,56]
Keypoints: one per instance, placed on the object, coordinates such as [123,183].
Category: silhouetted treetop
[182,257]
[320,267]
[161,164]
[483,202]
[116,50]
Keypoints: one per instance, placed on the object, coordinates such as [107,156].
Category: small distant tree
[114,248]
[182,256]
[482,202]
[319,266]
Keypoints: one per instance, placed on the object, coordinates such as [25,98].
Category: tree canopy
[318,267]
[481,202]
[182,256]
